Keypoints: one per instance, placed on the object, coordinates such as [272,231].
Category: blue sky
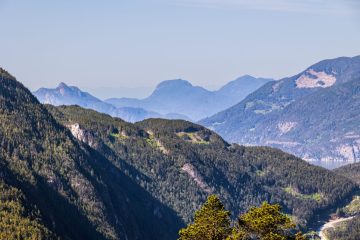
[125,47]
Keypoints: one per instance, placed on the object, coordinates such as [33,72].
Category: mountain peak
[5,74]
[62,85]
[246,76]
[175,83]
[242,86]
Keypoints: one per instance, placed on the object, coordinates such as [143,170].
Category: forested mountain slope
[349,227]
[63,187]
[78,174]
[182,163]
[313,114]
[351,171]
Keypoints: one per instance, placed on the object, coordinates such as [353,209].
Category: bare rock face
[191,171]
[82,135]
[313,79]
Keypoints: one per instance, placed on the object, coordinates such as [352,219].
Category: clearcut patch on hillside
[313,79]
[193,137]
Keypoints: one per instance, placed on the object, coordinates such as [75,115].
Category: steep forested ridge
[18,218]
[182,163]
[350,228]
[72,173]
[351,171]
[75,192]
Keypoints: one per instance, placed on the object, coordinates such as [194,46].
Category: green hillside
[76,192]
[182,163]
[72,173]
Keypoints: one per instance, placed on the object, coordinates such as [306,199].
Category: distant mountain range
[70,95]
[172,99]
[73,173]
[180,96]
[314,114]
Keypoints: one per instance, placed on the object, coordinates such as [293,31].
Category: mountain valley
[75,173]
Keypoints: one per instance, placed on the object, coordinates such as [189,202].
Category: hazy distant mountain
[238,89]
[314,114]
[73,173]
[180,96]
[69,95]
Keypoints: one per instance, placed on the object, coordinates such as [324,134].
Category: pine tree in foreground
[212,221]
[267,222]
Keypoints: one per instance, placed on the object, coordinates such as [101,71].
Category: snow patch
[313,79]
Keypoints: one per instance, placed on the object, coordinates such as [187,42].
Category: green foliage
[267,222]
[242,176]
[17,222]
[315,196]
[151,141]
[299,236]
[351,171]
[264,222]
[212,222]
[353,208]
[104,186]
[192,137]
[77,192]
[49,165]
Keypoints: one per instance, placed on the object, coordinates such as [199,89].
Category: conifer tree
[212,222]
[266,222]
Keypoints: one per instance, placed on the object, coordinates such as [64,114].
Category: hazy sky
[125,47]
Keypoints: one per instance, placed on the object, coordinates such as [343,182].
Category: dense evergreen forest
[351,171]
[348,230]
[73,173]
[68,187]
[242,176]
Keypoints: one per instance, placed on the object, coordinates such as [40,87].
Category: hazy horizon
[124,49]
